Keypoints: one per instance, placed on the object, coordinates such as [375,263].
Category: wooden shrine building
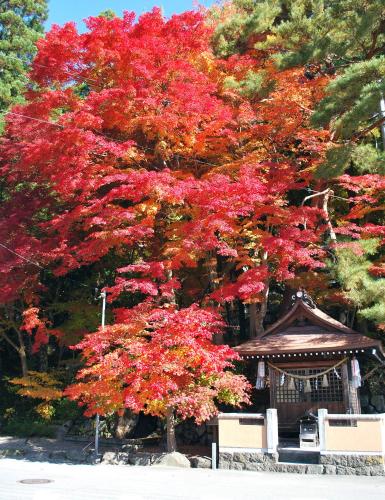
[306,361]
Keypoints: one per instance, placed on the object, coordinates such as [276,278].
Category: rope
[307,377]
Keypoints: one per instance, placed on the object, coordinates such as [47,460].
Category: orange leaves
[38,385]
[172,362]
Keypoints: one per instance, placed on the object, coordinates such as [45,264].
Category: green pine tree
[21,24]
[345,38]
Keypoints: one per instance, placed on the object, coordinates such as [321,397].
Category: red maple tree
[133,143]
[161,361]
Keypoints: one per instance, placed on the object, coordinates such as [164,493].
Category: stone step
[297,468]
[298,456]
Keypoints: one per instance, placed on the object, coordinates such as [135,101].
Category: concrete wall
[359,434]
[365,437]
[242,431]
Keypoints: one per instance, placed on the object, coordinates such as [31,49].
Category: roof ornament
[301,294]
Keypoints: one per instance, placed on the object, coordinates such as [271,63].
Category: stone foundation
[255,461]
[358,465]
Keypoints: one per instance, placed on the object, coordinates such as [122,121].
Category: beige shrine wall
[242,432]
[366,436]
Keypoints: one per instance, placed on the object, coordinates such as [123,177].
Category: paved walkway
[103,482]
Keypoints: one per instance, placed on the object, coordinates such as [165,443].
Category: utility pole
[103,296]
[382,113]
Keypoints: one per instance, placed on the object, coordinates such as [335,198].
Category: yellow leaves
[38,385]
[206,63]
[149,208]
[45,410]
[156,407]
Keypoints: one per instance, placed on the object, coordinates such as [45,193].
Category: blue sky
[61,11]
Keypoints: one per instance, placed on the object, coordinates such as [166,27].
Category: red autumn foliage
[153,359]
[134,145]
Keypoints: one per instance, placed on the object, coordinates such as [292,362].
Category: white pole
[213,456]
[382,112]
[103,296]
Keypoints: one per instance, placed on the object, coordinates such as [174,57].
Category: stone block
[342,470]
[287,467]
[241,457]
[76,456]
[12,453]
[110,458]
[58,455]
[314,469]
[256,467]
[38,456]
[223,464]
[330,469]
[225,460]
[246,457]
[237,466]
[377,470]
[200,462]
[174,459]
[142,459]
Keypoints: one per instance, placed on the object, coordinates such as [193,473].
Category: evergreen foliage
[21,24]
[345,38]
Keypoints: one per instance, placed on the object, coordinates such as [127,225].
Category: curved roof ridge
[311,313]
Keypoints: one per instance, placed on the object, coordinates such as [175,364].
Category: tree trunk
[252,320]
[125,424]
[241,320]
[257,314]
[170,424]
[43,358]
[262,311]
[23,361]
[22,354]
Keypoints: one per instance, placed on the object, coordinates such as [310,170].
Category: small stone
[200,462]
[115,458]
[140,459]
[110,458]
[174,459]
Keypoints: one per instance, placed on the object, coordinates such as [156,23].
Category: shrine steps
[298,456]
[297,468]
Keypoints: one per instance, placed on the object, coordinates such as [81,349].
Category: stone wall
[359,465]
[255,461]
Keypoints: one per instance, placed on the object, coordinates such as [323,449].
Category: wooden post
[171,440]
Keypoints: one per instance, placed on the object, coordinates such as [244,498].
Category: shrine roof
[291,343]
[307,329]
